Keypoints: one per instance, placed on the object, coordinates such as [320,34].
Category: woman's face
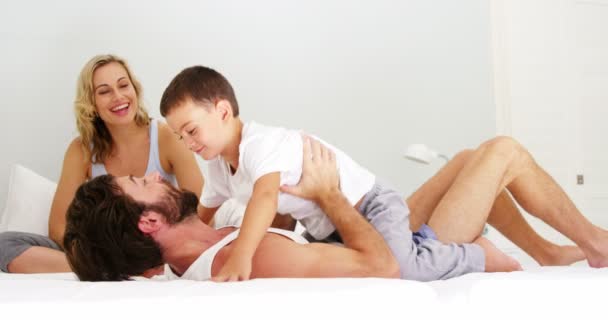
[115,97]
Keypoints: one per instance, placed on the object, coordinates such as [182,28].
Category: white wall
[368,76]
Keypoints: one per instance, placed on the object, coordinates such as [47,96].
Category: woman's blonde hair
[94,135]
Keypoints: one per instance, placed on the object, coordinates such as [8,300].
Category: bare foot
[597,250]
[597,263]
[561,256]
[496,260]
[597,260]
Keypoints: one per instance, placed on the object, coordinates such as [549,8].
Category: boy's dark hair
[102,240]
[202,85]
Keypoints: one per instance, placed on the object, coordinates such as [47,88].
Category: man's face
[147,189]
[160,196]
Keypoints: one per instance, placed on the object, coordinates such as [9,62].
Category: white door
[551,80]
[591,51]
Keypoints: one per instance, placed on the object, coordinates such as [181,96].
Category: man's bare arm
[357,233]
[366,253]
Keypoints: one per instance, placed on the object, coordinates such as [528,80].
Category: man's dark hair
[201,84]
[102,239]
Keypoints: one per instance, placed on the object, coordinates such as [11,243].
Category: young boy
[250,162]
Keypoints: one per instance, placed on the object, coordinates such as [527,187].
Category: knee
[463,156]
[505,148]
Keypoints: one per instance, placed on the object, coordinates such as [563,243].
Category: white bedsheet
[536,292]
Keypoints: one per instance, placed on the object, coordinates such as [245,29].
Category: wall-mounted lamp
[422,154]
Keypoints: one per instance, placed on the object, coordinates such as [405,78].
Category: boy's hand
[319,172]
[236,268]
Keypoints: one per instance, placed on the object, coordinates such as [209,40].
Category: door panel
[551,81]
[591,48]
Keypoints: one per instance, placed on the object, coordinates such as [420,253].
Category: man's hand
[319,172]
[236,268]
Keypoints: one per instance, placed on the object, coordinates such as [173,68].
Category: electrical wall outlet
[580,179]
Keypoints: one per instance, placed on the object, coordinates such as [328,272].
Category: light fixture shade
[420,153]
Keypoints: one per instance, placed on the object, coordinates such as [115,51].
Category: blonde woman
[116,136]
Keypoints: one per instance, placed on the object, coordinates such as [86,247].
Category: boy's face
[201,127]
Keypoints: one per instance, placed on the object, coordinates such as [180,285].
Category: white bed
[558,291]
[572,291]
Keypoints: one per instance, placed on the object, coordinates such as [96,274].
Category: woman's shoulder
[168,143]
[167,139]
[165,132]
[76,156]
[75,148]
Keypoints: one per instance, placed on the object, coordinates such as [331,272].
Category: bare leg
[508,220]
[540,195]
[472,194]
[500,163]
[426,198]
[504,216]
[39,260]
[496,260]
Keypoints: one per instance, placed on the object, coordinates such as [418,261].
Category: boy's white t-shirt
[265,149]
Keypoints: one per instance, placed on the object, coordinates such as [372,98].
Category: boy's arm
[259,214]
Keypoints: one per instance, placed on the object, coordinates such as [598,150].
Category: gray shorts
[420,254]
[14,243]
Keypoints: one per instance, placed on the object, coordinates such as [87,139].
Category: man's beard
[175,205]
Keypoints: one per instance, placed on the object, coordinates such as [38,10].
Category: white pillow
[28,204]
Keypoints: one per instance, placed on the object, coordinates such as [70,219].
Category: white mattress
[536,292]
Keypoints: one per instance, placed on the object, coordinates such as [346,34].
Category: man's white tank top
[200,270]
